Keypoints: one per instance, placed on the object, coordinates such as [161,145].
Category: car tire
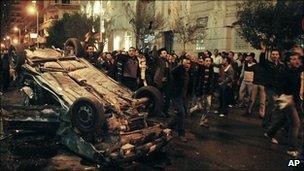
[155,97]
[87,116]
[79,51]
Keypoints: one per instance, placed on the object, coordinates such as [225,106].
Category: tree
[186,28]
[277,25]
[5,8]
[70,25]
[144,21]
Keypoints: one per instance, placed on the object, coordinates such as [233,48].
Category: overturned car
[94,116]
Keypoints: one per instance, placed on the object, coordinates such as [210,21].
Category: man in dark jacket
[258,88]
[225,83]
[234,90]
[193,83]
[275,72]
[91,55]
[162,71]
[128,70]
[110,67]
[162,78]
[290,114]
[180,83]
[205,87]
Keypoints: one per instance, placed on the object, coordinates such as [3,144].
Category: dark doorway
[169,36]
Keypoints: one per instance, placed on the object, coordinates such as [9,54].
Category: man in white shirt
[247,79]
[217,61]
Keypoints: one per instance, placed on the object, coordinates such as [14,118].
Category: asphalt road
[232,143]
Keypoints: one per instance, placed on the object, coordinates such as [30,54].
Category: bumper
[130,152]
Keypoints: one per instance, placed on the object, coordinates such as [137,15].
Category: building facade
[217,18]
[54,10]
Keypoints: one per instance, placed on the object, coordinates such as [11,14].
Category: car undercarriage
[94,116]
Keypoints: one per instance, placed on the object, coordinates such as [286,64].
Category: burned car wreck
[95,116]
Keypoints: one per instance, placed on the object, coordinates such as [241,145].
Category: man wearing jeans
[180,80]
[247,78]
[217,61]
[275,80]
[205,88]
[225,84]
[258,88]
[290,113]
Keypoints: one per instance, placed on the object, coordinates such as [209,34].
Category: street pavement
[231,143]
[235,142]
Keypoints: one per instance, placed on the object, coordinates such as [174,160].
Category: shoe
[293,153]
[204,123]
[222,115]
[203,117]
[272,140]
[241,105]
[230,106]
[193,109]
[215,112]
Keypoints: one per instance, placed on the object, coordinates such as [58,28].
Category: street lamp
[8,38]
[32,10]
[19,33]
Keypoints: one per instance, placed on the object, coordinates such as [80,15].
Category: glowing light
[88,9]
[31,10]
[96,8]
[7,37]
[15,41]
[117,40]
[33,35]
[128,41]
[16,28]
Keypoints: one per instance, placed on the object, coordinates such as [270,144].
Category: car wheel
[78,49]
[87,116]
[154,106]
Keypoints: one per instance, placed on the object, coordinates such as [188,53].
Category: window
[200,45]
[128,40]
[66,1]
[202,22]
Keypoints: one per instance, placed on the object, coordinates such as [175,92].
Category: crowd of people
[212,83]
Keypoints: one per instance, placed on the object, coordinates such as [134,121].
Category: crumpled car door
[18,113]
